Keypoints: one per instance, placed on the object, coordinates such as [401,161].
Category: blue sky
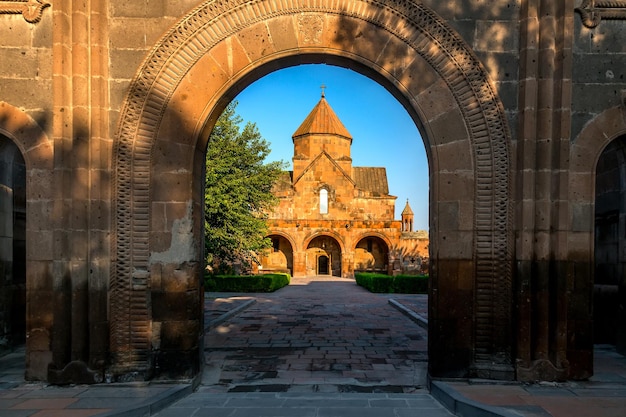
[383,133]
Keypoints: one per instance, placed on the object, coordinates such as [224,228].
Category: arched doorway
[12,246]
[26,156]
[596,151]
[323,265]
[371,254]
[323,256]
[213,53]
[610,245]
[279,258]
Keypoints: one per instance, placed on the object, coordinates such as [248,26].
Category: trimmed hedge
[401,284]
[246,283]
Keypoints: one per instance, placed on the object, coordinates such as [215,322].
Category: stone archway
[610,245]
[585,153]
[278,258]
[218,49]
[36,153]
[371,254]
[12,246]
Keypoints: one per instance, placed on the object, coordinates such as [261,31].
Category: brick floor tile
[44,404]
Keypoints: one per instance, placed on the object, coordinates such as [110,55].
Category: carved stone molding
[593,11]
[32,10]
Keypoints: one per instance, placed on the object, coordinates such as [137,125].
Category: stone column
[347,264]
[299,263]
[542,176]
[82,228]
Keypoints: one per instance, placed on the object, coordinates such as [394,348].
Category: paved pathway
[320,347]
[318,332]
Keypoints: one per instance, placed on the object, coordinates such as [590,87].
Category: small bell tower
[407,218]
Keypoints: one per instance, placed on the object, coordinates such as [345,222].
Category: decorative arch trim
[32,141]
[284,235]
[380,236]
[584,155]
[335,236]
[212,21]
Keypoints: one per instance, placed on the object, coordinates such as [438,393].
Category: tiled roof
[371,179]
[322,120]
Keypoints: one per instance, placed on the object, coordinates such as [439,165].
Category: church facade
[334,218]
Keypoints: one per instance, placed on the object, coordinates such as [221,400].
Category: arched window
[323,201]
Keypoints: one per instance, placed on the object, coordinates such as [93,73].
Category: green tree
[238,191]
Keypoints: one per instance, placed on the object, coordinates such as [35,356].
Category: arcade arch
[218,49]
[371,254]
[278,258]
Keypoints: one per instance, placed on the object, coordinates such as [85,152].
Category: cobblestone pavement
[320,333]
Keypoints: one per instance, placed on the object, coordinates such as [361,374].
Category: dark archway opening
[610,246]
[319,309]
[371,255]
[278,258]
[12,246]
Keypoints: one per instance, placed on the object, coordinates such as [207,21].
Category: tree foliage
[238,191]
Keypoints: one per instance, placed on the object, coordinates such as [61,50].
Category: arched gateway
[220,48]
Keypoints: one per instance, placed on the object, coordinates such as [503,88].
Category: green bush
[374,282]
[246,283]
[402,284]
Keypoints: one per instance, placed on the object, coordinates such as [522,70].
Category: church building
[334,218]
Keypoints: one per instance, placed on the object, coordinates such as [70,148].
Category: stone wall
[598,76]
[26,66]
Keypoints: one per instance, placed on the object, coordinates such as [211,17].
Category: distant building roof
[322,120]
[372,179]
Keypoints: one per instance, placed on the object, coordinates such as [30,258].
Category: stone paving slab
[205,403]
[603,395]
[133,399]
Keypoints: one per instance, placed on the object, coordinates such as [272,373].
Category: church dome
[322,120]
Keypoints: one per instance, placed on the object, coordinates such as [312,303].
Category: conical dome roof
[322,120]
[407,209]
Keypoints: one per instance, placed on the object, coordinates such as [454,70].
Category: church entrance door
[322,265]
